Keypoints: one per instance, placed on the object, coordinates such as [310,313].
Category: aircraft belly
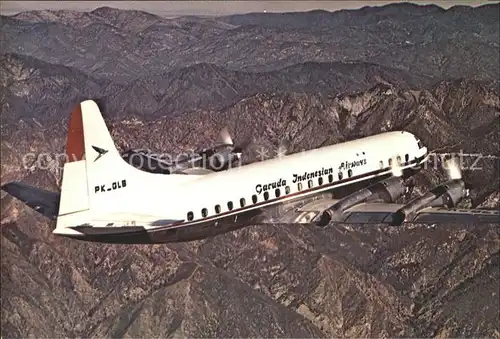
[164,234]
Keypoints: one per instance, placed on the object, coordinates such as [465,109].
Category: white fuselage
[356,160]
[152,200]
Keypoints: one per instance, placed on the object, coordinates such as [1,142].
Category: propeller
[225,153]
[227,141]
[395,165]
[226,137]
[454,172]
[452,168]
[397,171]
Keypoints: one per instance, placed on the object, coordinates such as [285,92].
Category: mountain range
[314,78]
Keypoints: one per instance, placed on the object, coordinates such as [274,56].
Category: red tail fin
[75,147]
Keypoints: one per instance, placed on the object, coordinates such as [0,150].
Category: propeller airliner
[105,199]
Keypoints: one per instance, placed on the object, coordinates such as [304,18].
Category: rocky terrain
[311,79]
[424,40]
[34,88]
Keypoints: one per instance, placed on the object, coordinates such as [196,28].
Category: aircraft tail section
[101,194]
[97,183]
[91,156]
[106,171]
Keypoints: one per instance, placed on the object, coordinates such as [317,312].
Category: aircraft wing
[383,213]
[42,201]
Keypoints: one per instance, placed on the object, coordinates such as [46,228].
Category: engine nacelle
[217,161]
[146,161]
[389,190]
[448,194]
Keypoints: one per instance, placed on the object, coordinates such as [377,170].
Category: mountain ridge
[179,90]
[170,85]
[440,47]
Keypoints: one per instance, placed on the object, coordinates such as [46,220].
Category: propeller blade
[397,171]
[226,137]
[454,171]
[227,141]
[452,168]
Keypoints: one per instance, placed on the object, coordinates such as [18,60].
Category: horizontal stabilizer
[42,201]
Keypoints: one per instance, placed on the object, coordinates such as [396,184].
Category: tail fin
[92,158]
[93,177]
[74,189]
[97,140]
[96,180]
[95,171]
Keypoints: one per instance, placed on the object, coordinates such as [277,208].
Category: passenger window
[320,181]
[254,199]
[266,196]
[190,216]
[277,192]
[398,159]
[340,175]
[287,190]
[299,186]
[204,212]
[381,164]
[242,202]
[407,158]
[330,178]
[217,209]
[390,162]
[349,173]
[230,205]
[310,183]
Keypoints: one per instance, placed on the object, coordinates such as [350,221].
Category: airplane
[105,199]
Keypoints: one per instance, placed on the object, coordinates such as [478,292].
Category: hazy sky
[209,7]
